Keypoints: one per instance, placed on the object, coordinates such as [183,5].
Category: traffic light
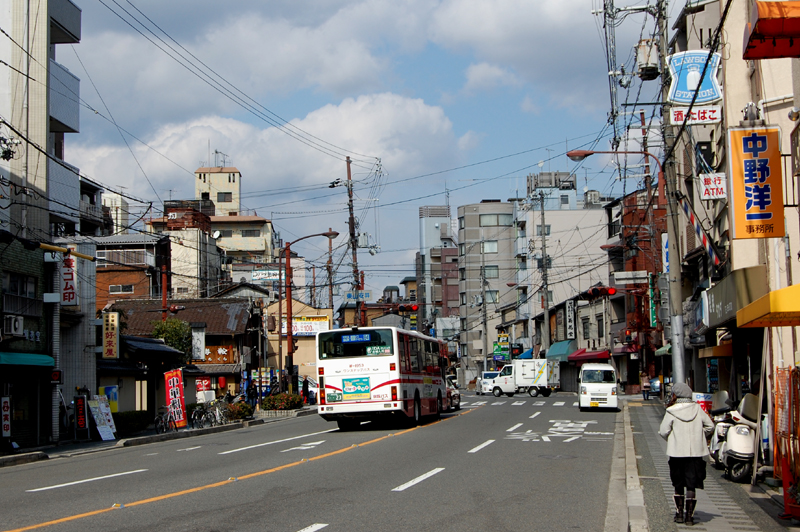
[408,308]
[600,291]
[516,350]
[628,336]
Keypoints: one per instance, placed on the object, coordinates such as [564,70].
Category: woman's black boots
[678,508]
[690,504]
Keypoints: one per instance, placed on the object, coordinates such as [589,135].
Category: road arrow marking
[276,441]
[304,447]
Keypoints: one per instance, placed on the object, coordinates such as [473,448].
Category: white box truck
[535,376]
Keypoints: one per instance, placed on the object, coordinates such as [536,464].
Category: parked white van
[598,386]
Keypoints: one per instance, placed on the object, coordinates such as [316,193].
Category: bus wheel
[439,406]
[417,411]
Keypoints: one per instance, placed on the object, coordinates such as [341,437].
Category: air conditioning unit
[13,325]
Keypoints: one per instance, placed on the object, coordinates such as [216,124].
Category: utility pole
[485,332]
[330,272]
[546,305]
[675,296]
[313,284]
[353,245]
[280,322]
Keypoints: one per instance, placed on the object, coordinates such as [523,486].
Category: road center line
[534,415]
[418,479]
[276,441]
[189,448]
[86,480]
[515,427]
[313,528]
[481,446]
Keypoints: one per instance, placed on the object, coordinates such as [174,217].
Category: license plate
[334,397]
[594,404]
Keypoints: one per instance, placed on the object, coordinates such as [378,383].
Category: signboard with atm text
[756,182]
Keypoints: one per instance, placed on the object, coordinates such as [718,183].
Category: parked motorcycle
[733,443]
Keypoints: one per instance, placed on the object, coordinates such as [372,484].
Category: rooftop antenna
[216,158]
[548,150]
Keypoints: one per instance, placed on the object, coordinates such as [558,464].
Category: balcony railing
[23,306]
[125,257]
[92,212]
[65,91]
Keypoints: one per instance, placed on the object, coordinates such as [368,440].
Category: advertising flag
[173,384]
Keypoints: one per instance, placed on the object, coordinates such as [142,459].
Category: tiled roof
[221,316]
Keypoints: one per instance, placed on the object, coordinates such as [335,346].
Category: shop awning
[559,351]
[718,351]
[582,355]
[527,354]
[666,350]
[779,308]
[772,30]
[26,359]
[625,349]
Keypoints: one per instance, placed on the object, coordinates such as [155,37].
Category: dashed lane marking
[481,446]
[419,479]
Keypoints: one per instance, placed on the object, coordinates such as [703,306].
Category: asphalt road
[499,464]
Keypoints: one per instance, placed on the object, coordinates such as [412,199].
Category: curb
[637,513]
[19,459]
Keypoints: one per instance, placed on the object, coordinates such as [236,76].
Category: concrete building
[487,263]
[223,186]
[436,265]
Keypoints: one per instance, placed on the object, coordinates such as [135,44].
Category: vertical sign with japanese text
[69,280]
[5,412]
[111,335]
[173,385]
[756,182]
[570,318]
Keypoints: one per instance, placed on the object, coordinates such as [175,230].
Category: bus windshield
[348,343]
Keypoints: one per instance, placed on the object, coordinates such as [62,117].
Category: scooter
[735,445]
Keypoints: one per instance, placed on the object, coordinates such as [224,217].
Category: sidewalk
[722,506]
[67,449]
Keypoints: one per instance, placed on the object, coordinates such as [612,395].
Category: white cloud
[529,106]
[483,76]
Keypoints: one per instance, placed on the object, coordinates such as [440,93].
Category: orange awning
[773,31]
[717,351]
[779,308]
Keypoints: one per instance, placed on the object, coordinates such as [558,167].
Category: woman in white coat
[686,427]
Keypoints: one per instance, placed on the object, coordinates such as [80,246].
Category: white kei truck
[535,376]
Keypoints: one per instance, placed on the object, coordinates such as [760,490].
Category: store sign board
[713,186]
[756,182]
[698,116]
[686,69]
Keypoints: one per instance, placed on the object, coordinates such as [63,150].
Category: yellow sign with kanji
[756,182]
[111,335]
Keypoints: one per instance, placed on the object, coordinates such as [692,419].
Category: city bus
[368,373]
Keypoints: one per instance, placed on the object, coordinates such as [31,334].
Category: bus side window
[401,352]
[414,354]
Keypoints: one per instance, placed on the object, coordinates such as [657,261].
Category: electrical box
[647,59]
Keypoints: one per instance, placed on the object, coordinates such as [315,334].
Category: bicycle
[220,411]
[165,422]
[198,417]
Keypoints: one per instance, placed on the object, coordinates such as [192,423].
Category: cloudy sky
[426,96]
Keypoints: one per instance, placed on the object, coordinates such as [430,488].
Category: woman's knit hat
[682,390]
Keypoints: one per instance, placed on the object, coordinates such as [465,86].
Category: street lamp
[676,314]
[289,332]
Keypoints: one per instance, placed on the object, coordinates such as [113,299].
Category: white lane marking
[499,403]
[559,403]
[545,438]
[304,447]
[86,480]
[571,439]
[190,448]
[534,415]
[515,427]
[314,527]
[575,403]
[151,454]
[517,403]
[481,446]
[418,479]
[479,403]
[276,441]
[538,403]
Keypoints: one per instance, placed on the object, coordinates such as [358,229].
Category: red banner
[173,384]
[203,384]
